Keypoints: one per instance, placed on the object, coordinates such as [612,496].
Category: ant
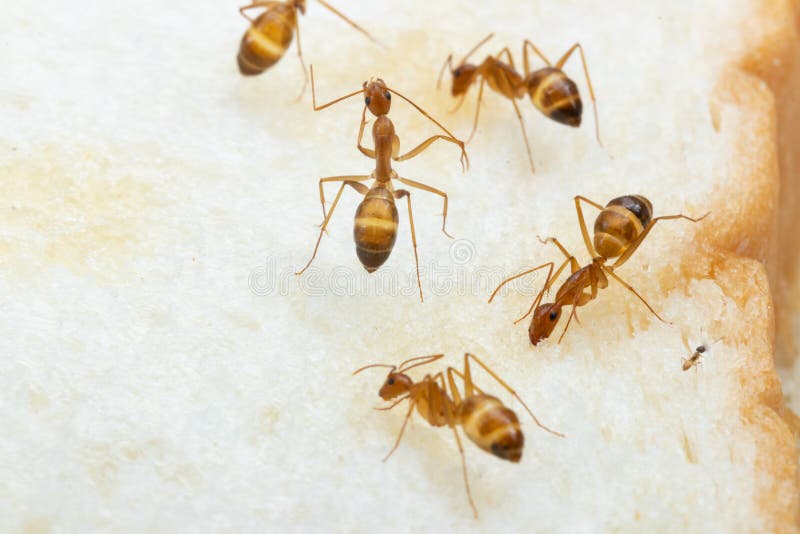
[271,33]
[694,359]
[551,91]
[619,229]
[375,228]
[485,420]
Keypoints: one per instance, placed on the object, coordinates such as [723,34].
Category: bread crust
[756,219]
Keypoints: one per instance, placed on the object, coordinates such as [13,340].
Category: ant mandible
[485,420]
[375,228]
[619,230]
[271,33]
[551,91]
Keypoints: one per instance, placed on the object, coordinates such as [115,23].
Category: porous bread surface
[163,369]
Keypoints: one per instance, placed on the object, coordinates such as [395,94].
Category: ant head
[463,76]
[377,97]
[544,321]
[300,5]
[396,384]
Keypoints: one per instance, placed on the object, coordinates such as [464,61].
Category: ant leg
[411,405]
[477,110]
[361,189]
[452,138]
[370,153]
[332,102]
[395,403]
[302,63]
[458,104]
[575,266]
[468,381]
[582,221]
[638,241]
[525,61]
[524,134]
[256,4]
[572,313]
[354,185]
[630,288]
[421,360]
[400,193]
[549,281]
[447,62]
[426,143]
[452,423]
[429,189]
[523,273]
[350,22]
[588,82]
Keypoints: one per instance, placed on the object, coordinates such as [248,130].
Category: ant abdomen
[375,228]
[266,40]
[492,426]
[555,95]
[620,223]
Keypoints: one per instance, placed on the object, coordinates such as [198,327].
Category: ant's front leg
[370,153]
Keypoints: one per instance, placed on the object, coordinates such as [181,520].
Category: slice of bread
[164,369]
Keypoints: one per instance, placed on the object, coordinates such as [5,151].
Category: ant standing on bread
[619,229]
[699,352]
[375,229]
[551,91]
[485,420]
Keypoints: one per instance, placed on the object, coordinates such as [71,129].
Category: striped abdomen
[375,229]
[620,222]
[555,95]
[266,40]
[492,426]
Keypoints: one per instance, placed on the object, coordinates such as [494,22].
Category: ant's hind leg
[468,382]
[632,290]
[361,188]
[355,185]
[429,189]
[638,241]
[400,193]
[302,63]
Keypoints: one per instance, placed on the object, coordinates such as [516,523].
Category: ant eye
[368,101]
[553,315]
[388,95]
[390,381]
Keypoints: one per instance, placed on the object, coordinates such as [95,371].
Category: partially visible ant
[619,230]
[271,33]
[485,420]
[551,91]
[375,229]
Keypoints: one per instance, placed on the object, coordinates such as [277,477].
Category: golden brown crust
[756,220]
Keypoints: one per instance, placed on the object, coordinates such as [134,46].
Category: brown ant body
[551,91]
[619,229]
[694,359]
[490,424]
[375,229]
[271,33]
